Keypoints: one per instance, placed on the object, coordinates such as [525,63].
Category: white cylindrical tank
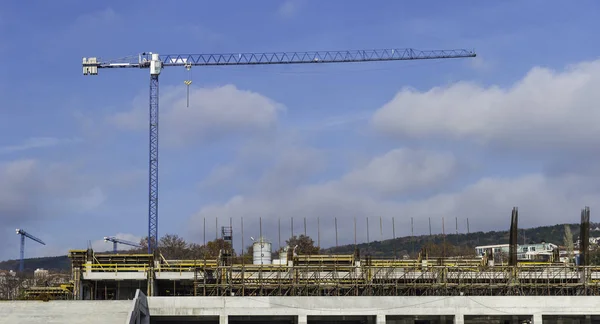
[261,252]
[283,255]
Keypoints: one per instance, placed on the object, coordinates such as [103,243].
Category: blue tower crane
[23,236]
[155,63]
[115,240]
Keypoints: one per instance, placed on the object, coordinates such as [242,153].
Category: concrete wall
[64,312]
[139,313]
[311,306]
[96,312]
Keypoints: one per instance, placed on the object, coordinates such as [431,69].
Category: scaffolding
[62,292]
[331,275]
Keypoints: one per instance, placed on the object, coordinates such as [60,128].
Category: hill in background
[56,264]
[460,243]
[463,242]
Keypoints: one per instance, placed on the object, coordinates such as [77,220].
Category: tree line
[174,247]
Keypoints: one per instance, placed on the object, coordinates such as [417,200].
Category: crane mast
[155,63]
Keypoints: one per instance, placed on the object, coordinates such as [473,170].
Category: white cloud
[199,33]
[38,142]
[29,189]
[97,18]
[544,109]
[213,113]
[21,188]
[32,192]
[487,203]
[88,200]
[102,246]
[402,170]
[288,8]
[283,191]
[266,164]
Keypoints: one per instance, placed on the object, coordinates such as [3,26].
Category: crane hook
[188,67]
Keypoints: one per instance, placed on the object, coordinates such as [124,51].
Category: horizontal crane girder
[115,240]
[120,241]
[25,234]
[144,59]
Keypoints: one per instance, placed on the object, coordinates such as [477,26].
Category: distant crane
[115,240]
[23,236]
[155,63]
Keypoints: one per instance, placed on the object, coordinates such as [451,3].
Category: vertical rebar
[412,235]
[394,236]
[368,239]
[304,226]
[381,227]
[279,231]
[429,226]
[318,233]
[204,237]
[260,229]
[468,229]
[243,248]
[444,235]
[336,233]
[354,231]
[292,226]
[216,228]
[456,225]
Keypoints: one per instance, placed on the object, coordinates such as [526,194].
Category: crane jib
[143,61]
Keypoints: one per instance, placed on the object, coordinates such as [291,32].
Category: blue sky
[450,138]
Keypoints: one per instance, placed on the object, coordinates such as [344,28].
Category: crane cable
[188,67]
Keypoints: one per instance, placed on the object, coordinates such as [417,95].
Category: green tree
[171,246]
[447,249]
[213,248]
[303,244]
[174,247]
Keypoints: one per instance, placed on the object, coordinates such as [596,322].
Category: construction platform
[118,276]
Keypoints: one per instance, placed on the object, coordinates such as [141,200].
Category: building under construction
[117,276]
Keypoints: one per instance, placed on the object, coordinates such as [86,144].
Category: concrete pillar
[150,286]
[537,318]
[77,289]
[380,319]
[302,319]
[459,319]
[223,319]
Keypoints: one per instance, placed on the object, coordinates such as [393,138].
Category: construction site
[349,288]
[117,276]
[164,290]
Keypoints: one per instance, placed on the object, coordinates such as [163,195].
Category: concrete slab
[312,306]
[65,312]
[115,276]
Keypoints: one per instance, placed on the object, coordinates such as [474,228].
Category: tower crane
[115,240]
[155,63]
[23,236]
